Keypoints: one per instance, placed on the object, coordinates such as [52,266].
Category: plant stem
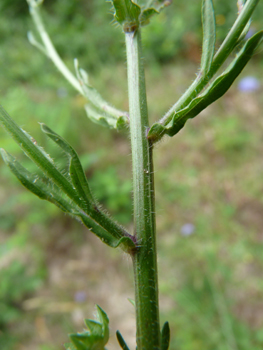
[144,259]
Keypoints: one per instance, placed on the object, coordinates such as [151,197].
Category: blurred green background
[209,187]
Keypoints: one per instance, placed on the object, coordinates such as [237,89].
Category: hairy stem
[144,259]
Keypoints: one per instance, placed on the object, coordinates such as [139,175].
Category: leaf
[31,38]
[132,301]
[37,154]
[165,336]
[211,94]
[154,9]
[35,184]
[76,171]
[69,346]
[105,119]
[156,132]
[105,236]
[147,15]
[104,320]
[234,33]
[121,341]
[95,327]
[127,14]
[243,35]
[35,3]
[95,338]
[70,194]
[209,35]
[98,110]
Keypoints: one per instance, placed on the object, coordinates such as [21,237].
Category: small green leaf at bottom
[165,337]
[95,337]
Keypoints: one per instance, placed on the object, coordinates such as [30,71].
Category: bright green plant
[70,190]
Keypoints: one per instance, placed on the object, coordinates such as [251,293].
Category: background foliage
[208,179]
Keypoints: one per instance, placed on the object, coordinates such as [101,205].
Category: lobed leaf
[104,320]
[80,83]
[95,338]
[99,111]
[154,8]
[211,94]
[105,119]
[95,327]
[165,336]
[147,15]
[209,35]
[121,341]
[71,194]
[127,14]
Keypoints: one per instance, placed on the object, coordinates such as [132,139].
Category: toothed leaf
[147,15]
[154,9]
[95,338]
[104,320]
[127,14]
[95,327]
[70,194]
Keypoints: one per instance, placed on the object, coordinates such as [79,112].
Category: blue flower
[187,229]
[248,84]
[80,296]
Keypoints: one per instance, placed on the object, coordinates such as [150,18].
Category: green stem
[144,259]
